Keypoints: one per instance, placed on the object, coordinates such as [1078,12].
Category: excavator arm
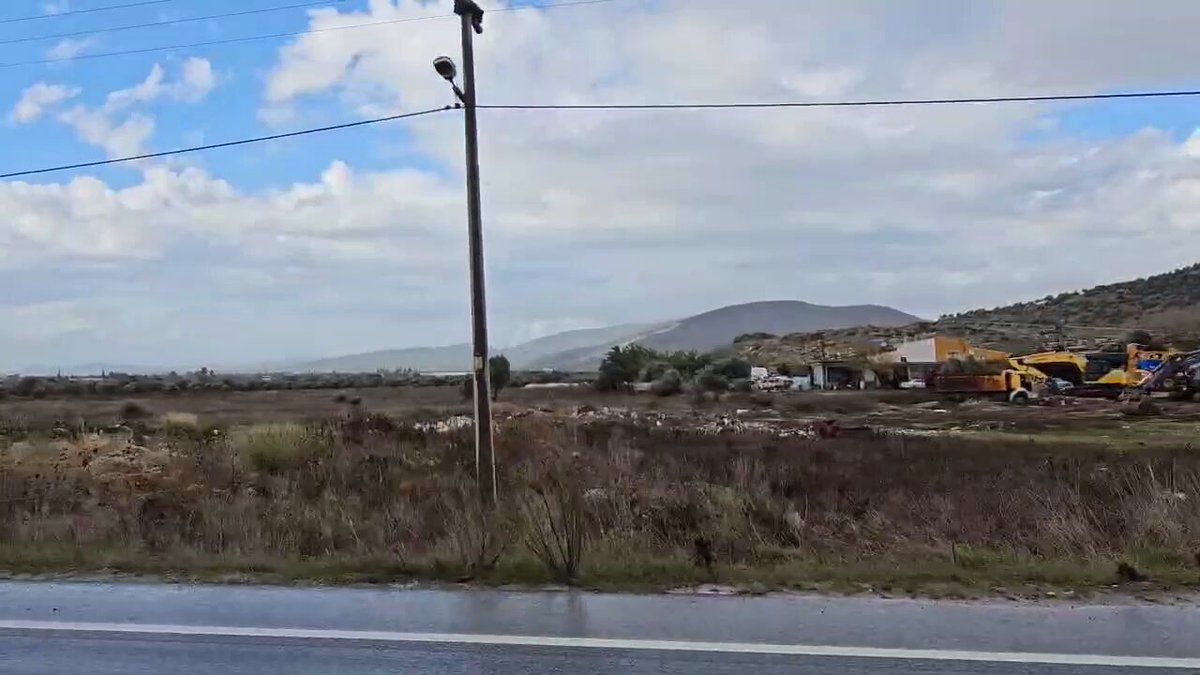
[1185,366]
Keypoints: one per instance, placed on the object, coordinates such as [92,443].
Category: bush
[654,371]
[181,423]
[710,380]
[274,447]
[478,536]
[669,384]
[744,337]
[131,411]
[554,512]
[732,368]
[29,387]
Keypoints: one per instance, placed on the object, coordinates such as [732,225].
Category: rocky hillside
[1156,301]
[1166,305]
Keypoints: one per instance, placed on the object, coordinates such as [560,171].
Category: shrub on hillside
[711,380]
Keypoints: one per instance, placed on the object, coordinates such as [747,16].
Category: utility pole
[471,16]
[824,366]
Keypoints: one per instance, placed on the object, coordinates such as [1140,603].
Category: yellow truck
[1016,382]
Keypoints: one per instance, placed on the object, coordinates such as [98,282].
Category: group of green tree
[670,372]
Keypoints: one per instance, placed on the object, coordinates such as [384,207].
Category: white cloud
[761,200]
[96,125]
[642,215]
[399,216]
[36,99]
[197,80]
[43,320]
[69,48]
[146,91]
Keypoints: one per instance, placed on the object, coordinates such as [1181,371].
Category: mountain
[583,349]
[446,359]
[718,328]
[555,350]
[457,357]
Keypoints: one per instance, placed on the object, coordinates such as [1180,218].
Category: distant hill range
[778,332]
[1165,305]
[583,349]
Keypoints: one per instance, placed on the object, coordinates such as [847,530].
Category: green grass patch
[976,574]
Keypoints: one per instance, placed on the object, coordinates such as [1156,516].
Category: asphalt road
[93,628]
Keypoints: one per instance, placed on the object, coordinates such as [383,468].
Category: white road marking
[609,643]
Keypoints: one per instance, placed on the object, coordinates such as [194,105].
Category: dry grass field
[902,493]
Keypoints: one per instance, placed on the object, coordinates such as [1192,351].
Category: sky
[355,240]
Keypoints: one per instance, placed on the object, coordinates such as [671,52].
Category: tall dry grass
[577,497]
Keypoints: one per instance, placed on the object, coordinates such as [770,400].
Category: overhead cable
[170,22]
[283,35]
[225,144]
[667,106]
[92,10]
[844,104]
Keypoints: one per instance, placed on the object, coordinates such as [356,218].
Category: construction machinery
[1011,380]
[1099,373]
[1178,375]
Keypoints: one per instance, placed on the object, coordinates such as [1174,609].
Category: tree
[500,373]
[710,379]
[653,371]
[622,366]
[732,368]
[688,363]
[27,386]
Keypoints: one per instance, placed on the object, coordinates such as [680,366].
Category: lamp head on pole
[444,65]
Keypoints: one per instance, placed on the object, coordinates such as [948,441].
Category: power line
[93,10]
[844,104]
[225,144]
[549,5]
[213,43]
[168,22]
[283,35]
[666,106]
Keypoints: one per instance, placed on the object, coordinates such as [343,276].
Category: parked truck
[1013,381]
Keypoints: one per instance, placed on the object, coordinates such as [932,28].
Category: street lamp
[444,65]
[485,458]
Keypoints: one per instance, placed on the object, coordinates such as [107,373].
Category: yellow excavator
[1178,376]
[1099,373]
